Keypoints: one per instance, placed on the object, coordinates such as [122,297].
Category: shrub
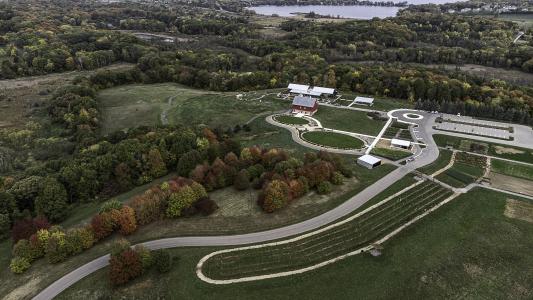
[206,206]
[324,187]
[102,225]
[180,200]
[57,248]
[147,208]
[124,267]
[147,260]
[79,239]
[199,190]
[162,260]
[188,162]
[127,222]
[242,181]
[276,195]
[110,205]
[337,178]
[19,265]
[22,249]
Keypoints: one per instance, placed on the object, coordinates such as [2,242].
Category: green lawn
[497,150]
[512,169]
[348,120]
[148,104]
[441,162]
[391,154]
[467,249]
[290,120]
[333,139]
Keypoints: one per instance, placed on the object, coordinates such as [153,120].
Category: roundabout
[412,116]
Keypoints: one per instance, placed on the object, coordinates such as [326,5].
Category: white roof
[323,90]
[306,92]
[369,159]
[402,143]
[294,86]
[364,99]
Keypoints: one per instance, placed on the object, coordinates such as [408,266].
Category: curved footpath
[426,156]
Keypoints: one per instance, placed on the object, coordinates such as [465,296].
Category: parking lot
[476,122]
[474,130]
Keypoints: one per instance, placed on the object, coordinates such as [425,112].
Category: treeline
[226,72]
[30,52]
[420,37]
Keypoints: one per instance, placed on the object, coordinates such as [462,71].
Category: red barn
[305,105]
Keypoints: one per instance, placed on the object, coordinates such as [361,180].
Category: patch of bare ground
[520,210]
[23,290]
[505,150]
[510,183]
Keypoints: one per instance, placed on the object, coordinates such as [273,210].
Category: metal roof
[306,92]
[323,90]
[402,143]
[369,159]
[301,87]
[364,100]
[304,101]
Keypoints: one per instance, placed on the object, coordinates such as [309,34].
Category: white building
[363,101]
[400,143]
[324,91]
[368,161]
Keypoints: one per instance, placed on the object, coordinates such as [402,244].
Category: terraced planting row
[466,169]
[335,241]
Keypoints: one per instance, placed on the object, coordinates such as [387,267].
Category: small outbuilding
[369,161]
[363,101]
[304,105]
[400,143]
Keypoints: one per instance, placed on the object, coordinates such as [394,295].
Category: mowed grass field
[512,169]
[348,120]
[167,103]
[467,249]
[290,120]
[441,162]
[333,139]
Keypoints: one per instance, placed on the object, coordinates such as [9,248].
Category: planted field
[290,120]
[334,241]
[333,139]
[151,104]
[466,169]
[512,169]
[497,150]
[391,153]
[348,120]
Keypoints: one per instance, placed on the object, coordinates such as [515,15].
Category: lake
[364,12]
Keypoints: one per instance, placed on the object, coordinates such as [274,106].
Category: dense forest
[49,165]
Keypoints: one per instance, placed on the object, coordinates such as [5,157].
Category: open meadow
[167,103]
